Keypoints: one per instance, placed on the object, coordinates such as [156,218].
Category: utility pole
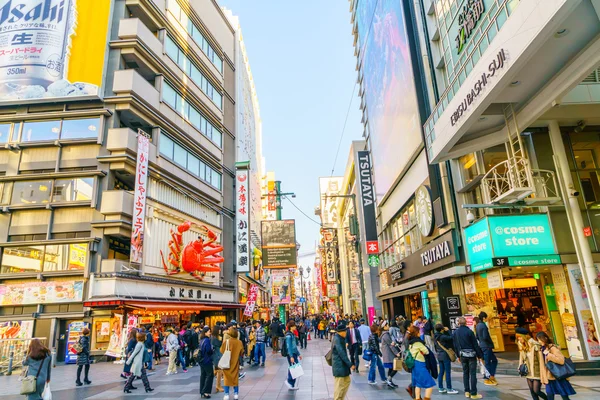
[278,208]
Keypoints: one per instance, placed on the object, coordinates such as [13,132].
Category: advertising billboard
[280,287]
[279,244]
[367,202]
[41,293]
[242,216]
[329,187]
[389,91]
[139,200]
[52,49]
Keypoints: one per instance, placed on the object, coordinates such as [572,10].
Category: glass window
[193,164]
[31,192]
[41,130]
[169,95]
[171,48]
[76,189]
[194,117]
[166,146]
[180,156]
[22,259]
[202,173]
[5,192]
[216,179]
[80,128]
[66,257]
[494,156]
[468,166]
[217,137]
[4,132]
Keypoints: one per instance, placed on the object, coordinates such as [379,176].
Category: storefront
[245,282]
[518,279]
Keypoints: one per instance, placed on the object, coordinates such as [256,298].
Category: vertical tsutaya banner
[329,187]
[139,200]
[367,201]
[242,221]
[279,244]
[52,48]
[251,303]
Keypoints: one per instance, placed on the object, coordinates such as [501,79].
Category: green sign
[553,259]
[480,266]
[479,243]
[373,260]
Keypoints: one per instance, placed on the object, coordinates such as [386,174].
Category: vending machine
[73,333]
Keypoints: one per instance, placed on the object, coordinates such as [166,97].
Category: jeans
[354,351]
[491,362]
[469,367]
[148,357]
[236,390]
[321,334]
[445,366]
[207,373]
[181,358]
[291,381]
[303,341]
[376,363]
[259,350]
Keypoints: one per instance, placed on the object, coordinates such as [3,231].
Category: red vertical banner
[139,201]
[251,303]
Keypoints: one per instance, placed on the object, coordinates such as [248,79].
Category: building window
[40,130]
[179,155]
[5,133]
[68,129]
[49,258]
[31,192]
[195,33]
[190,114]
[80,128]
[45,191]
[186,64]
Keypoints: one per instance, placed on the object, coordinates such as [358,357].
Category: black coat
[83,358]
[483,334]
[340,362]
[464,339]
[445,339]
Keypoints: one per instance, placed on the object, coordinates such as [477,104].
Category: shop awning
[149,306]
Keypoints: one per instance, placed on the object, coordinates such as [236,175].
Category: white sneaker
[452,391]
[226,397]
[235,396]
[373,383]
[290,387]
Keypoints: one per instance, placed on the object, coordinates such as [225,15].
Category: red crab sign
[197,258]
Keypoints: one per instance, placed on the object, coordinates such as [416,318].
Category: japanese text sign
[242,197]
[139,201]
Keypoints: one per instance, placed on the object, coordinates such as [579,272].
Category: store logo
[467,21]
[365,180]
[521,230]
[43,9]
[436,253]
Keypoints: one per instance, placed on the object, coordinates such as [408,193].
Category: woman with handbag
[172,348]
[137,365]
[446,355]
[531,363]
[552,354]
[131,342]
[375,356]
[83,357]
[216,341]
[389,351]
[231,348]
[421,377]
[205,359]
[38,362]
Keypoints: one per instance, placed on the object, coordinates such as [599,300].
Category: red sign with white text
[373,247]
[251,303]
[587,231]
[139,201]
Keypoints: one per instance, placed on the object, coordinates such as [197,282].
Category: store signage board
[251,303]
[279,244]
[478,243]
[41,293]
[367,201]
[242,215]
[139,200]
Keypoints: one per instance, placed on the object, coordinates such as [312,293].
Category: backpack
[408,361]
[284,349]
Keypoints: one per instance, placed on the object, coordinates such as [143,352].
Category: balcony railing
[508,182]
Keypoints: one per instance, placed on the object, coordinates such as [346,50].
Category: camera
[573,192]
[470,217]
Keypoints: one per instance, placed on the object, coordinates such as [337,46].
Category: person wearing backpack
[376,356]
[443,344]
[83,358]
[289,349]
[421,376]
[468,351]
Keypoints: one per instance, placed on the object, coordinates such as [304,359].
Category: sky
[302,59]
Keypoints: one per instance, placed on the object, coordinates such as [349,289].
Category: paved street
[266,383]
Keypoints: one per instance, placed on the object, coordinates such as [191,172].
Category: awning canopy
[158,306]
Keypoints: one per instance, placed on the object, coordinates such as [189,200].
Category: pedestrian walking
[395,332]
[468,351]
[148,348]
[554,386]
[205,360]
[375,357]
[531,363]
[340,363]
[173,349]
[274,332]
[421,376]
[38,362]
[302,332]
[260,350]
[157,337]
[137,366]
[365,333]
[444,346]
[131,342]
[293,354]
[251,343]
[83,358]
[389,351]
[354,343]
[216,341]
[235,346]
[487,346]
[428,332]
[322,326]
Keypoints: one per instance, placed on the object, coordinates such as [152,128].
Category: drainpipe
[582,246]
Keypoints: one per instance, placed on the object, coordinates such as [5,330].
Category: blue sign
[302,300]
[508,236]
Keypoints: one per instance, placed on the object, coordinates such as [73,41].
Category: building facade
[72,186]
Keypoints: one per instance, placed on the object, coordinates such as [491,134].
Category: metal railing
[13,352]
[509,181]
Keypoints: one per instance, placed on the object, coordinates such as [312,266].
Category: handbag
[450,352]
[29,383]
[468,353]
[398,364]
[77,347]
[367,355]
[523,370]
[225,361]
[296,371]
[47,395]
[329,355]
[564,371]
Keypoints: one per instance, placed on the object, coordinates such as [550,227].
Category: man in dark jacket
[274,333]
[468,351]
[354,343]
[259,348]
[340,364]
[487,346]
[189,351]
[148,348]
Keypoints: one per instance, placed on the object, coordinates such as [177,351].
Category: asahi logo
[365,180]
[38,11]
[436,253]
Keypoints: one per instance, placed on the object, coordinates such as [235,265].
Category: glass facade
[50,191]
[48,258]
[67,129]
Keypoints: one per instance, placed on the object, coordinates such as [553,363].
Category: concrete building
[166,68]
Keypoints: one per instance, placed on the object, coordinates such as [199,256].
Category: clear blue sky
[303,63]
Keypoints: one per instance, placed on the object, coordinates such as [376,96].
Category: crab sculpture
[197,258]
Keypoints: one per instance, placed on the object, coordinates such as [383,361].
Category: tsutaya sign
[436,253]
[505,240]
[367,201]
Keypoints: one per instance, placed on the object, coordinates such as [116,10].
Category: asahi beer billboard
[52,48]
[367,202]
[279,244]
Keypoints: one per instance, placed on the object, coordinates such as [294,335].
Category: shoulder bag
[564,371]
[29,383]
[450,352]
[329,355]
[523,370]
[225,361]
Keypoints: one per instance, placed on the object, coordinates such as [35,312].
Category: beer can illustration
[35,41]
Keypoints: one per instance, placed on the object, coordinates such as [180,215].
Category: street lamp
[301,271]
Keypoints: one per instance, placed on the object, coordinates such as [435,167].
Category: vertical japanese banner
[242,221]
[367,202]
[251,303]
[139,200]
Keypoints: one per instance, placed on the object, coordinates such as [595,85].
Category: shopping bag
[484,371]
[225,361]
[398,364]
[296,371]
[47,395]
